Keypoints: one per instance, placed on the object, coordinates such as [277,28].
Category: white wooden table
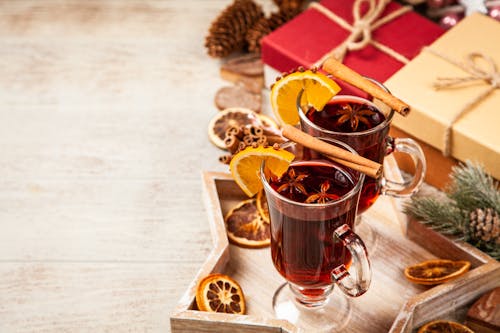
[104,107]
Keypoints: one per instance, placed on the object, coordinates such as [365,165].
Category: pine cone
[227,32]
[264,26]
[289,4]
[485,225]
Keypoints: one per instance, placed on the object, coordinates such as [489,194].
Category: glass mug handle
[407,188]
[359,284]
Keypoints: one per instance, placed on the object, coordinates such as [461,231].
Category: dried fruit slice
[246,227]
[267,121]
[245,166]
[444,326]
[237,96]
[436,271]
[318,90]
[234,117]
[245,69]
[262,206]
[245,64]
[220,293]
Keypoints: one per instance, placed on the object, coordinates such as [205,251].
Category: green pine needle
[492,250]
[440,216]
[471,188]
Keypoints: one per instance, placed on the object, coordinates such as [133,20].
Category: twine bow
[489,75]
[361,30]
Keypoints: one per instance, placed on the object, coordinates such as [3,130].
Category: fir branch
[444,217]
[491,249]
[471,187]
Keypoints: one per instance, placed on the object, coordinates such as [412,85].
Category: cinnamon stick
[370,172]
[344,73]
[232,143]
[226,159]
[236,131]
[337,154]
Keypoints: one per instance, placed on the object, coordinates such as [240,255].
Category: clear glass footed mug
[312,211]
[373,143]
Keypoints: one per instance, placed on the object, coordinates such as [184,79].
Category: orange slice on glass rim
[444,326]
[246,227]
[318,90]
[245,166]
[220,293]
[436,271]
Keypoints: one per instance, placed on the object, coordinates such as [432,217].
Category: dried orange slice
[236,116]
[436,271]
[227,118]
[267,121]
[262,206]
[318,90]
[220,293]
[444,326]
[246,227]
[245,166]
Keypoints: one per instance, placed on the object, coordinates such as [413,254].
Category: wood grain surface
[104,107]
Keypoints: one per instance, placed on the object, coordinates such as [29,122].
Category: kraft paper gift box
[468,101]
[313,34]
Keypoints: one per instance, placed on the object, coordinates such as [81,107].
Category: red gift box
[312,34]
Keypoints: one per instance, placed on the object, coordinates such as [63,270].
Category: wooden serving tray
[450,300]
[392,303]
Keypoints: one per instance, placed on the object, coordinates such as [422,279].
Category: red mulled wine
[352,121]
[303,247]
[346,116]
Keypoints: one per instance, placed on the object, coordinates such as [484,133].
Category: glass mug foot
[332,314]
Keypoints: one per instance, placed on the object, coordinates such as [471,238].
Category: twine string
[489,75]
[361,29]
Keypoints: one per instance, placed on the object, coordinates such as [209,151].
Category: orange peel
[318,90]
[444,326]
[245,166]
[436,271]
[246,227]
[220,293]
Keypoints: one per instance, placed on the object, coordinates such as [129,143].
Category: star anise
[355,113]
[293,182]
[322,196]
